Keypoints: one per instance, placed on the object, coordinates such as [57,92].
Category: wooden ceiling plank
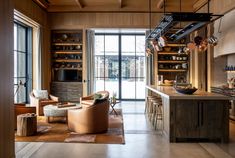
[80,5]
[199,4]
[42,3]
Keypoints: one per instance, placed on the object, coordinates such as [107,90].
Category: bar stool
[152,108]
[158,116]
[148,103]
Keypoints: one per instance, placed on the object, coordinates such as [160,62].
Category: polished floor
[141,142]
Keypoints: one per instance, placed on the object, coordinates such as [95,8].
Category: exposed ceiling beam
[42,3]
[120,3]
[80,5]
[199,4]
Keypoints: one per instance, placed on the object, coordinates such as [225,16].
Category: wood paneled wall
[102,20]
[200,62]
[221,6]
[6,82]
[33,11]
[93,20]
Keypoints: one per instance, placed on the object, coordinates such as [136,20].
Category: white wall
[224,30]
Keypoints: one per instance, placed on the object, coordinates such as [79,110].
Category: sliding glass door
[133,67]
[119,64]
[107,63]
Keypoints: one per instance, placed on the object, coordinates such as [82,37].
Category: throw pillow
[40,94]
[97,96]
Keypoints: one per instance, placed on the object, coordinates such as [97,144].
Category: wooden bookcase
[67,64]
[171,63]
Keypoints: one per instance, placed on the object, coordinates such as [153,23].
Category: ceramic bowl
[186,90]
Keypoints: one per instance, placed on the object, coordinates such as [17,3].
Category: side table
[26,124]
[112,105]
[22,108]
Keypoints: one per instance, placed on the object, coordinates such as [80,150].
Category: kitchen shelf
[65,52]
[68,69]
[175,45]
[171,53]
[66,44]
[168,60]
[172,70]
[172,61]
[67,60]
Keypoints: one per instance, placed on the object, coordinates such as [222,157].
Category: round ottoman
[53,111]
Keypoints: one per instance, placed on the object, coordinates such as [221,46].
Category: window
[120,64]
[22,62]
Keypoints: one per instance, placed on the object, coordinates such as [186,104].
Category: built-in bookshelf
[67,64]
[171,61]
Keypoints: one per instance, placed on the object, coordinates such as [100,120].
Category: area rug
[58,132]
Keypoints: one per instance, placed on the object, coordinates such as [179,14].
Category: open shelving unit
[67,64]
[171,63]
[172,70]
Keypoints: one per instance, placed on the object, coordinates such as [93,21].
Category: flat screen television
[68,75]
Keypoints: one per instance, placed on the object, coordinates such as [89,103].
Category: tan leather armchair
[40,103]
[92,117]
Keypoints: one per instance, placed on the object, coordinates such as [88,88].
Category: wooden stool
[154,102]
[148,103]
[158,115]
[26,124]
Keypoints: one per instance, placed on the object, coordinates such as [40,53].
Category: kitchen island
[202,116]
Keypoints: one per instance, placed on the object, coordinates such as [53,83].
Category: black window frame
[27,78]
[120,61]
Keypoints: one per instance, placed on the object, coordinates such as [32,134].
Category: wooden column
[6,81]
[210,59]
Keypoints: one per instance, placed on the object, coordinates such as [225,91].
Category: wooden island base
[202,116]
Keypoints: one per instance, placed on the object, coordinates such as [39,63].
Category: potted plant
[114,99]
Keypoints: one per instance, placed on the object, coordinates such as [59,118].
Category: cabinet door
[186,119]
[212,118]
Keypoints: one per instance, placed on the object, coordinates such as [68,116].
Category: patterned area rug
[58,132]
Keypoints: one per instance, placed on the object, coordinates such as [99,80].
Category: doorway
[120,64]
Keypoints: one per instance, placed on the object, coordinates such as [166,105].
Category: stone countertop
[170,93]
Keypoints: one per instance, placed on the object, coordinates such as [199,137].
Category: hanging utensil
[191,46]
[213,40]
[163,41]
[198,40]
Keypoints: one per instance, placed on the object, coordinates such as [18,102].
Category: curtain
[90,60]
[149,65]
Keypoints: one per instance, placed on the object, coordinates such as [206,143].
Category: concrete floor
[141,142]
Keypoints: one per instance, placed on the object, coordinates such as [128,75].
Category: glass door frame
[120,61]
[28,61]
